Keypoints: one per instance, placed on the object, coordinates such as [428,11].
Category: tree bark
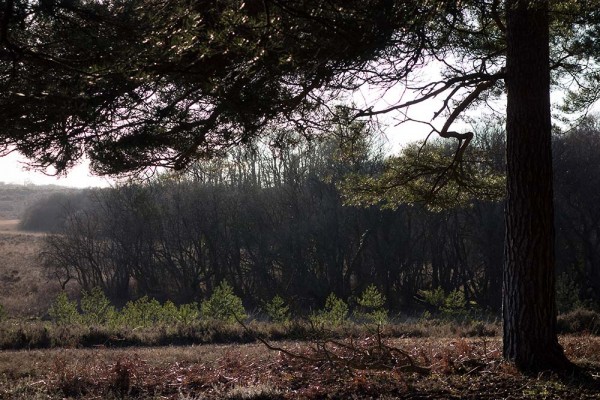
[529,310]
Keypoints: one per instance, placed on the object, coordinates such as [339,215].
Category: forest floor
[458,368]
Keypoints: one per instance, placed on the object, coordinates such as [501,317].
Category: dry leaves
[353,368]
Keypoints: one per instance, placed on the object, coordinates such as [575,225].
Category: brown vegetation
[34,334]
[26,288]
[460,369]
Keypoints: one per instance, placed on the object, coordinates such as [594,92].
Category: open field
[459,369]
[11,226]
[26,290]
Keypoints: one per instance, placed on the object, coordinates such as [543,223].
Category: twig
[271,347]
[379,356]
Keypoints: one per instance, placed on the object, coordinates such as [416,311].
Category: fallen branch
[351,356]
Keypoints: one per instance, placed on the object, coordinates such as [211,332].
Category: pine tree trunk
[529,311]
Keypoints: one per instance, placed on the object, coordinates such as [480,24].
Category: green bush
[188,314]
[169,314]
[435,297]
[455,302]
[223,305]
[277,310]
[96,308]
[334,313]
[2,313]
[63,311]
[567,294]
[371,307]
[451,304]
[143,312]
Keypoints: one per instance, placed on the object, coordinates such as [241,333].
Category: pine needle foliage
[223,305]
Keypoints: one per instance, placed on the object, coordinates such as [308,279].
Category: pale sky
[12,170]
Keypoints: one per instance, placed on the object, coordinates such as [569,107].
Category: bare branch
[465,80]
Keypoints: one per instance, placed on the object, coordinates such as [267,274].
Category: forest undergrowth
[451,368]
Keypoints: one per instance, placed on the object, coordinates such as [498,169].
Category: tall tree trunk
[529,310]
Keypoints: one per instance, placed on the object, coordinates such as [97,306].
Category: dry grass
[18,334]
[26,290]
[9,225]
[460,369]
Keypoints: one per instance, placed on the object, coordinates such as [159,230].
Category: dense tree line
[271,221]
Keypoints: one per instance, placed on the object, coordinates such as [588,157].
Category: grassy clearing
[461,368]
[26,289]
[18,334]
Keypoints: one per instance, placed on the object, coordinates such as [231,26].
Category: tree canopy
[137,83]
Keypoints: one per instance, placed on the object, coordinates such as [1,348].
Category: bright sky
[14,171]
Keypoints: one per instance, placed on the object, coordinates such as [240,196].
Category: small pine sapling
[334,313]
[277,310]
[371,308]
[223,305]
[63,311]
[96,308]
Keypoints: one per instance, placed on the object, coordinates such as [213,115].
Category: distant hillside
[14,199]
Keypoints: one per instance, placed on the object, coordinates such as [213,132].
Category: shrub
[63,311]
[371,307]
[2,313]
[188,314]
[579,320]
[567,294]
[96,308]
[277,310]
[143,312]
[334,313]
[452,304]
[169,314]
[435,297]
[223,305]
